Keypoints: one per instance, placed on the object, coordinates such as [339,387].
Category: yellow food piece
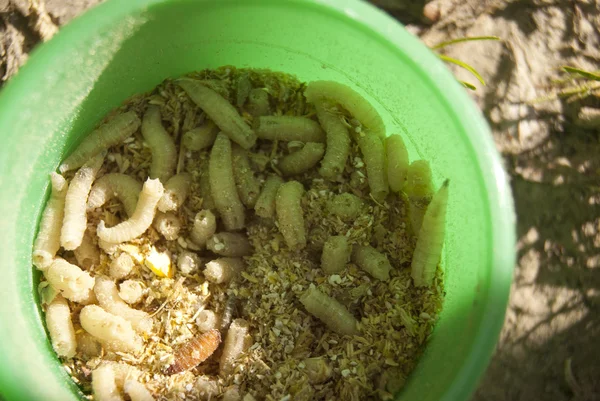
[159,263]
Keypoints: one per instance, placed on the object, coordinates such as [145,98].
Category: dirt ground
[550,345]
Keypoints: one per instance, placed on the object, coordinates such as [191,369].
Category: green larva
[430,242]
[225,116]
[350,100]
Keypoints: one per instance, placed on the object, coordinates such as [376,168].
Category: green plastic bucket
[125,47]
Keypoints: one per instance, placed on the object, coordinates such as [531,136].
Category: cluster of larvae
[70,246]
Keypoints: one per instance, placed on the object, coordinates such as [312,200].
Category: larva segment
[141,219]
[73,283]
[243,88]
[200,137]
[329,311]
[232,393]
[112,331]
[317,369]
[104,385]
[346,206]
[247,184]
[397,161]
[131,291]
[265,205]
[303,160]
[223,270]
[235,344]
[207,320]
[258,102]
[195,351]
[373,153]
[108,134]
[290,215]
[350,100]
[121,266]
[203,228]
[87,345]
[177,190]
[207,199]
[109,299]
[430,242]
[60,327]
[419,189]
[372,261]
[87,253]
[47,241]
[137,391]
[222,185]
[207,388]
[75,217]
[338,141]
[224,115]
[162,146]
[168,225]
[188,262]
[124,187]
[419,184]
[336,253]
[289,128]
[229,244]
[110,378]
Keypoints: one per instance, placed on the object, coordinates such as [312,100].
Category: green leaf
[586,74]
[542,99]
[463,65]
[468,85]
[460,40]
[574,90]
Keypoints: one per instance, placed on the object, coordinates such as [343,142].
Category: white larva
[47,241]
[109,299]
[60,327]
[141,219]
[112,331]
[125,188]
[234,345]
[73,283]
[75,217]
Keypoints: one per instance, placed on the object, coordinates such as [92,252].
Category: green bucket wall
[125,47]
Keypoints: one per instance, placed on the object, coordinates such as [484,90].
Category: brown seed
[194,352]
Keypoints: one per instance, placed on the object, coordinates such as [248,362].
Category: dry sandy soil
[550,345]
